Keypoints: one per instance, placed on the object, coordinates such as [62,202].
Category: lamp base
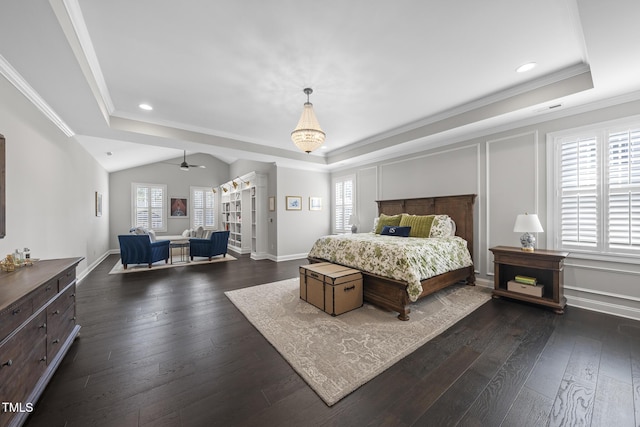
[528,242]
[354,229]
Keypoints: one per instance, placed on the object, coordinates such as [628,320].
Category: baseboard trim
[484,283]
[604,307]
[592,304]
[291,257]
[90,268]
[259,255]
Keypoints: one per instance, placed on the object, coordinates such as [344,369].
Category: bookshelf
[545,265]
[242,214]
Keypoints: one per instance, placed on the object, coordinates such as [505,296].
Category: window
[344,200]
[597,177]
[149,206]
[203,208]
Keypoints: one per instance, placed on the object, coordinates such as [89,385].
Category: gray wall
[241,167]
[298,230]
[51,184]
[178,185]
[508,172]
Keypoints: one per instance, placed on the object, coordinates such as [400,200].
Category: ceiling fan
[185,166]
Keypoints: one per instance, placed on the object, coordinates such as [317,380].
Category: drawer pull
[7,363]
[56,312]
[48,288]
[72,296]
[44,359]
[314,275]
[44,325]
[16,311]
[350,288]
[56,341]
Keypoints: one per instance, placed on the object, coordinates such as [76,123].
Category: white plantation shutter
[579,185]
[624,189]
[598,199]
[149,206]
[344,199]
[203,207]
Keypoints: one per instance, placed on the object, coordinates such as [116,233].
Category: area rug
[119,268]
[336,355]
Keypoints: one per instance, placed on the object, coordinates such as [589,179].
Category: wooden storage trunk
[333,288]
[535,290]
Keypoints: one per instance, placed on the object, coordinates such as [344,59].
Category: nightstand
[545,265]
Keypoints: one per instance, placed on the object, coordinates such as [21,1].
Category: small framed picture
[178,207]
[272,203]
[315,203]
[294,203]
[98,203]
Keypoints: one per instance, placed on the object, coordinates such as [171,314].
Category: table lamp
[527,224]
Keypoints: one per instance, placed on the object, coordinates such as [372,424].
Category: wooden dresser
[37,327]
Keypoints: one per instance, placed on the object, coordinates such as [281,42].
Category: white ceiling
[389,78]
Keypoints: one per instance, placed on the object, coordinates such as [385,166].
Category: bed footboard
[392,294]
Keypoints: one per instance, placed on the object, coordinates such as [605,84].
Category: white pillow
[152,235]
[442,226]
[375,224]
[140,230]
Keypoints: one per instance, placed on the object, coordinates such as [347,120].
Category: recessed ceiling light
[145,107]
[526,67]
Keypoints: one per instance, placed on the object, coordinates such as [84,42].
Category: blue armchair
[139,249]
[216,244]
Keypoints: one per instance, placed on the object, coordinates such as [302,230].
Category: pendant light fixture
[308,135]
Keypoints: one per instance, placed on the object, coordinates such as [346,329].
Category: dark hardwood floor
[167,348]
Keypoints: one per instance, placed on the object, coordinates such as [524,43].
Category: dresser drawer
[65,278]
[58,331]
[44,293]
[14,315]
[61,303]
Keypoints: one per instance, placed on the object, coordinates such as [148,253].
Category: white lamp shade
[308,135]
[528,223]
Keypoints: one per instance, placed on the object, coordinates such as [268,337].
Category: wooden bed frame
[392,294]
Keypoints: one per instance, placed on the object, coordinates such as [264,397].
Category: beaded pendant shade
[308,135]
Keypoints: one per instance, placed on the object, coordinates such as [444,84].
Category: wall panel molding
[511,186]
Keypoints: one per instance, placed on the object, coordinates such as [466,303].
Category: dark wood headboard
[459,208]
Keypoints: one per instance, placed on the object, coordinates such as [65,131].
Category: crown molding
[71,20]
[12,75]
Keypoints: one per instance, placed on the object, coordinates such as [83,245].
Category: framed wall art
[294,203]
[315,203]
[98,201]
[178,207]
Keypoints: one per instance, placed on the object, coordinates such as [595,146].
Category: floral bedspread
[409,259]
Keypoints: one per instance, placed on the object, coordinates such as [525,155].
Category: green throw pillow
[420,224]
[392,221]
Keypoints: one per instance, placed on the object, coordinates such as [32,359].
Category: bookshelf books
[526,280]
